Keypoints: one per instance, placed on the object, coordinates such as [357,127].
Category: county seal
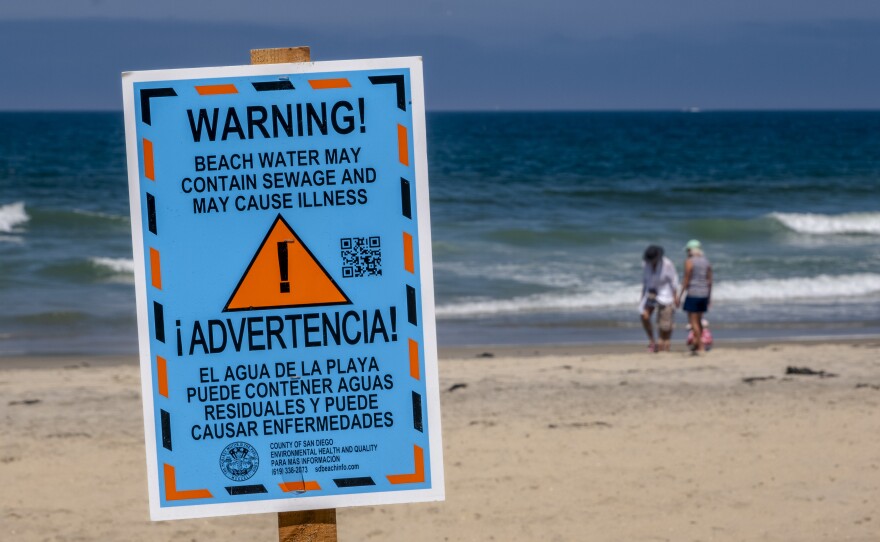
[239,461]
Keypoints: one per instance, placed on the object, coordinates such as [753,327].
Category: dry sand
[554,444]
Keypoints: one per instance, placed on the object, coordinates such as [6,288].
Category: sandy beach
[564,443]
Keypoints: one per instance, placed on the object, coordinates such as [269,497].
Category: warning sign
[283,259]
[282,248]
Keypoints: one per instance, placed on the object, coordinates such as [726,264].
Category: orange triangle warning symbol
[284,273]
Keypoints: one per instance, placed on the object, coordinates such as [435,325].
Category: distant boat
[691,110]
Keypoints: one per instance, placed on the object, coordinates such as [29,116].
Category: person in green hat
[697,287]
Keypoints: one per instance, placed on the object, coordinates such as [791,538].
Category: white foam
[14,239]
[11,216]
[98,214]
[841,288]
[800,288]
[117,265]
[535,273]
[600,295]
[819,224]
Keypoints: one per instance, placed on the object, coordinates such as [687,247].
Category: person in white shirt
[660,293]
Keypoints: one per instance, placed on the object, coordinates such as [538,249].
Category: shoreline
[467,352]
[573,332]
[506,335]
[638,347]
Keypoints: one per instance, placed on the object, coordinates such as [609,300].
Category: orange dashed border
[324,84]
[213,90]
[155,269]
[416,477]
[171,492]
[414,360]
[402,145]
[162,375]
[408,260]
[149,167]
[311,485]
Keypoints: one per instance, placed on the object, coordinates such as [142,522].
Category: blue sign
[284,286]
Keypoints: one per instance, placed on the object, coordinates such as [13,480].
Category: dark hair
[653,253]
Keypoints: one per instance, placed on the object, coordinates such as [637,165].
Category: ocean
[539,224]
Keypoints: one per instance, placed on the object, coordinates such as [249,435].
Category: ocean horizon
[539,221]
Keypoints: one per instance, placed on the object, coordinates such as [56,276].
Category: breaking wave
[12,215]
[819,224]
[612,295]
[115,265]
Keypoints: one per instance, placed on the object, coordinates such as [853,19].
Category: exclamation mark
[282,266]
[361,106]
[394,323]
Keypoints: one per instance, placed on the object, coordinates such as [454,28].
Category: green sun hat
[693,243]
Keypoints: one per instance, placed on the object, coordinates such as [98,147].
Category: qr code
[361,256]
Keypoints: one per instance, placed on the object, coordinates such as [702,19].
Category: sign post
[281,233]
[313,525]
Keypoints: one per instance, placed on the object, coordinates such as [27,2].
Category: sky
[478,54]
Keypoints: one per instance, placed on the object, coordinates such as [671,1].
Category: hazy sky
[479,54]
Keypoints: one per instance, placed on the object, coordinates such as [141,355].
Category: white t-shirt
[664,279]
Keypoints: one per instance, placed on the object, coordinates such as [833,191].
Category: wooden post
[312,525]
[282,55]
